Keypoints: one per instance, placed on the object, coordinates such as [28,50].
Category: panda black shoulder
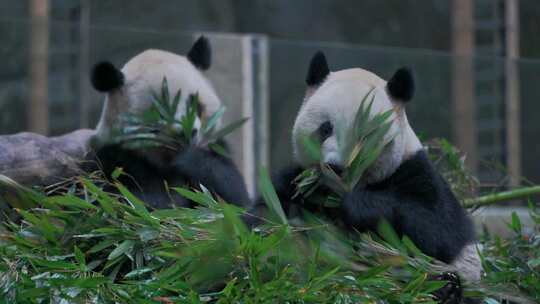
[415,177]
[112,156]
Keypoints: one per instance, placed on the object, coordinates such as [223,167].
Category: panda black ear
[401,85]
[201,54]
[106,77]
[318,70]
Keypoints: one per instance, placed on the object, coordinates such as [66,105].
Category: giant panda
[402,186]
[148,171]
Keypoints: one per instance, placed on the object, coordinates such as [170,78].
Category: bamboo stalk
[500,197]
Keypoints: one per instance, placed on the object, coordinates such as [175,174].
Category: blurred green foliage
[88,245]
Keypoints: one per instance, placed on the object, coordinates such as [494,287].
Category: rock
[33,159]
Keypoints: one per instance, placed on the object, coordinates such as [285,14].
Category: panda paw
[452,292]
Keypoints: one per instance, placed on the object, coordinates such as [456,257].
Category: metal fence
[256,69]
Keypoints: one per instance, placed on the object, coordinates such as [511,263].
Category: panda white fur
[130,90]
[401,187]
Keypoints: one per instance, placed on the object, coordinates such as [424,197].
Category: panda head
[331,102]
[130,89]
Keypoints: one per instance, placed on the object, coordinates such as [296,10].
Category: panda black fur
[130,90]
[402,186]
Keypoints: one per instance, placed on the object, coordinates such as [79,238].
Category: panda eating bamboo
[149,172]
[401,186]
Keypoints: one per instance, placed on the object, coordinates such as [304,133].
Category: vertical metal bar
[84,64]
[463,102]
[512,104]
[37,110]
[248,132]
[259,54]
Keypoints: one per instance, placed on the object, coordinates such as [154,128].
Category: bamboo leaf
[138,272]
[212,121]
[269,195]
[165,95]
[516,223]
[103,198]
[197,197]
[388,233]
[49,231]
[102,245]
[187,121]
[227,129]
[176,103]
[313,149]
[55,264]
[137,204]
[69,200]
[79,256]
[219,149]
[124,248]
[162,110]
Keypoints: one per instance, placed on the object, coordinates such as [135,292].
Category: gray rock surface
[33,159]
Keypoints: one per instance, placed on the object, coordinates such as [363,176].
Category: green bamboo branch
[500,197]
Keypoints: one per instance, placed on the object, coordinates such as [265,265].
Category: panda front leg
[214,171]
[364,209]
[438,228]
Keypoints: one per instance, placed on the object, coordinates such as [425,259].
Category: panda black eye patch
[325,130]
